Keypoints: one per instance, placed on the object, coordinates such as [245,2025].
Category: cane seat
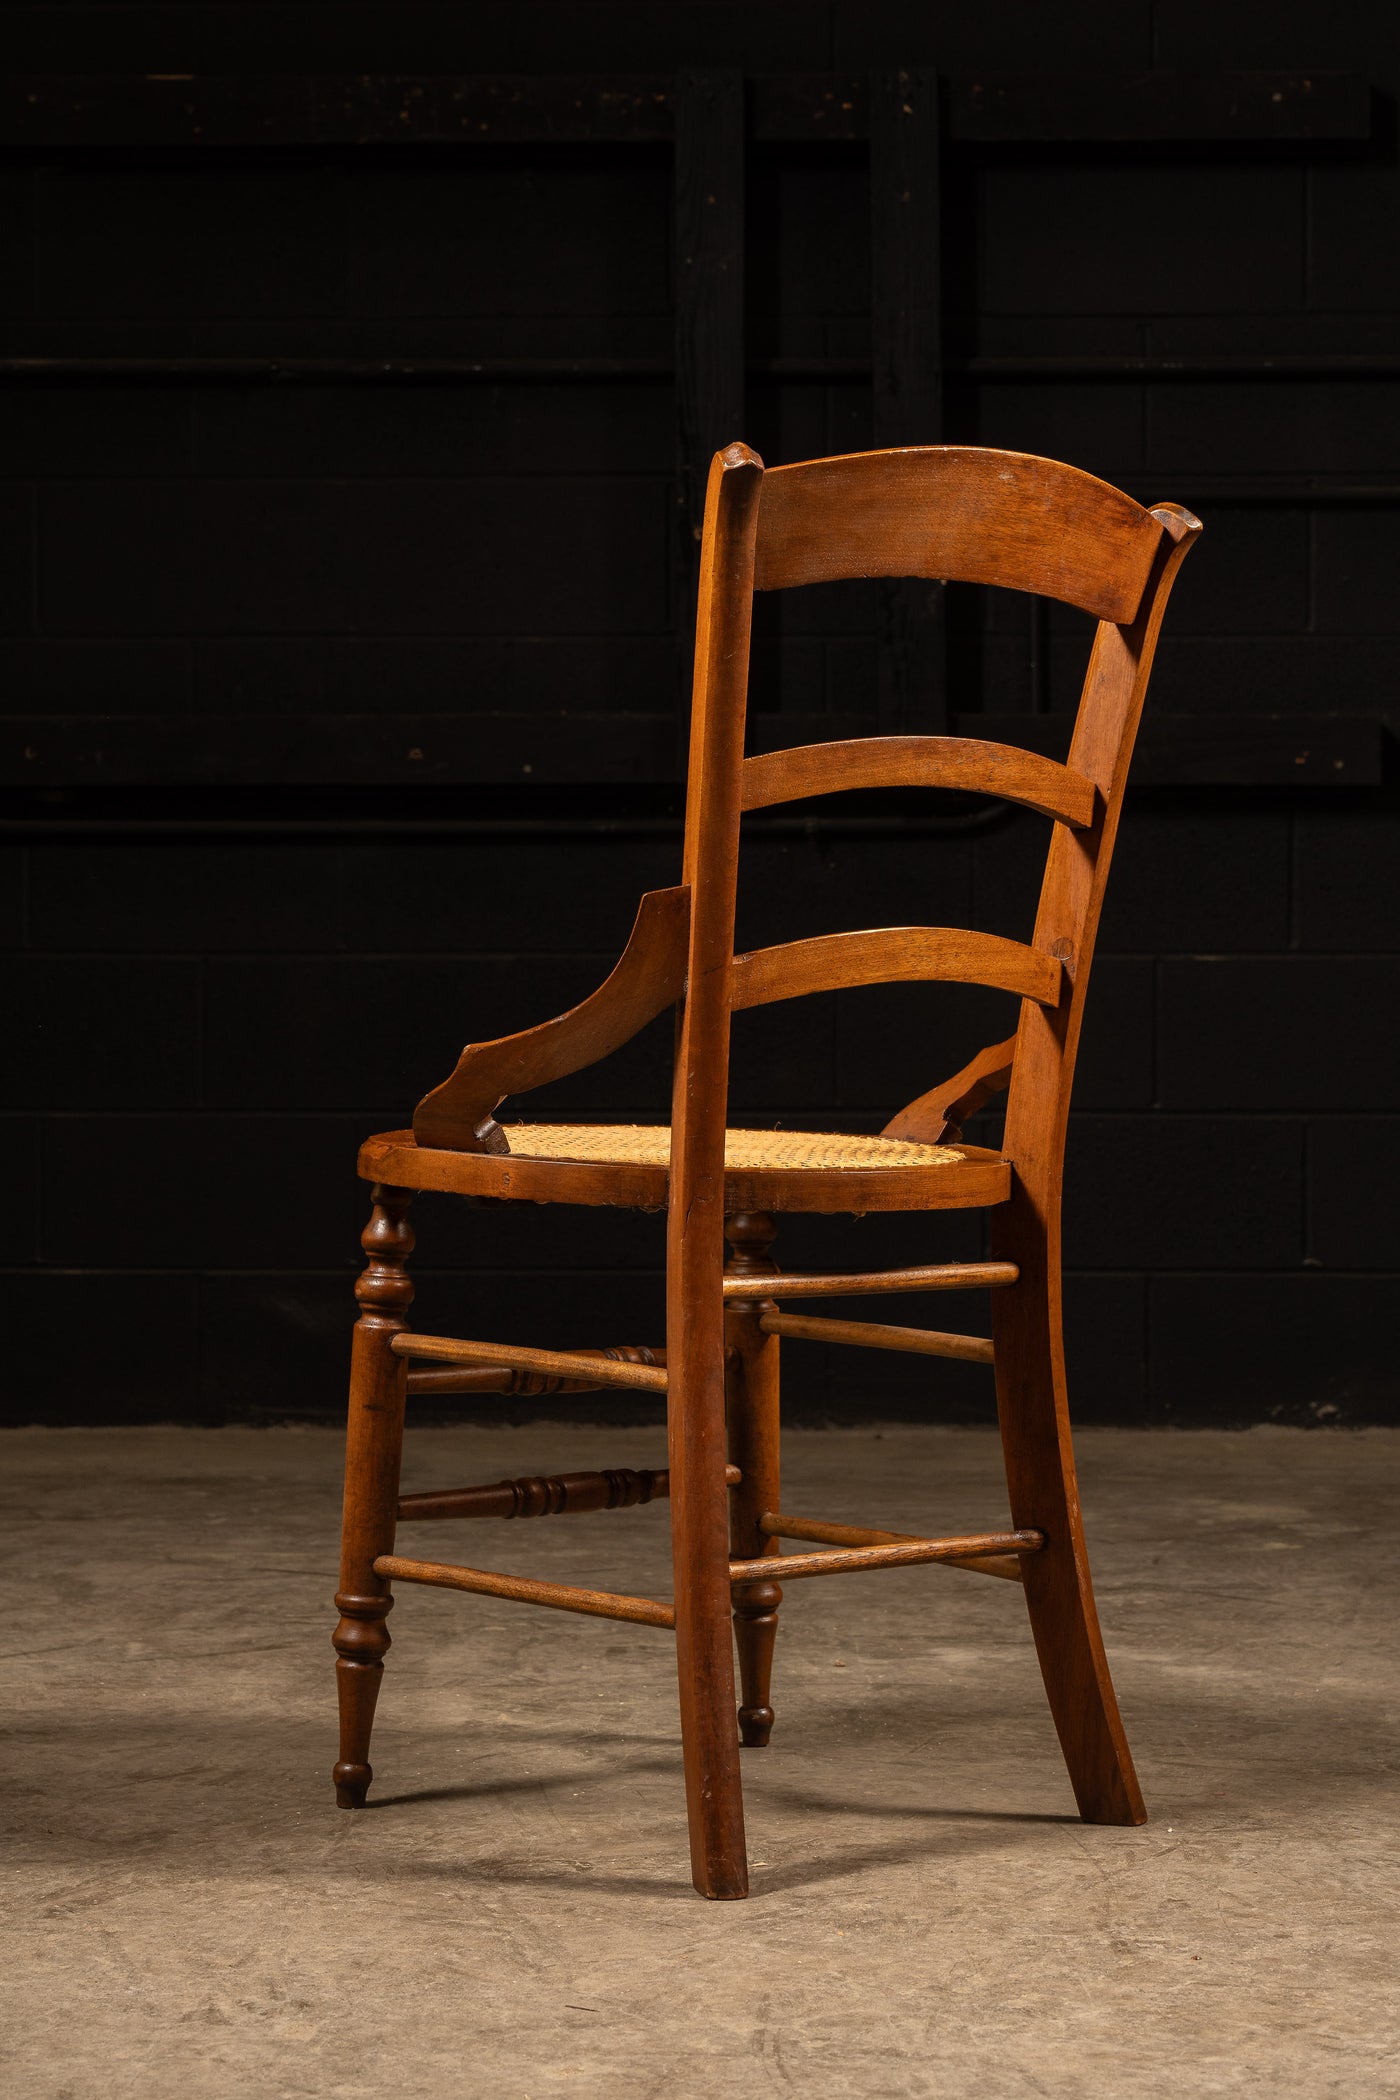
[629,1164]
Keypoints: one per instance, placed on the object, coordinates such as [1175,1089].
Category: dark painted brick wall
[201,1028]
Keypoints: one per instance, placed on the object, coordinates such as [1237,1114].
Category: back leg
[1035,1436]
[752,1401]
[374,1441]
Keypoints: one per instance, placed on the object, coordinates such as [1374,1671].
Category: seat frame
[948,512]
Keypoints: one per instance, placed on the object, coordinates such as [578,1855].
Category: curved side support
[833,962]
[970,765]
[459,1115]
[938,1116]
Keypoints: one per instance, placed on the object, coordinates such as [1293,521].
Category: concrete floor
[188,1914]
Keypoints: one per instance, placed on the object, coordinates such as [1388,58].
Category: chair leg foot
[752,1394]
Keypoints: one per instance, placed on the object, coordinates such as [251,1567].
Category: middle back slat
[833,962]
[967,764]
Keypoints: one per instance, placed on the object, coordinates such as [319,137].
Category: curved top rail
[966,513]
[966,763]
[834,962]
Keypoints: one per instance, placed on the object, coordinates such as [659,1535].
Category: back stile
[1026,1322]
[695,1225]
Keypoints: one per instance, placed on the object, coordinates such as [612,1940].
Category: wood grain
[373,1442]
[874,1334]
[857,1560]
[906,393]
[698,1193]
[775,1525]
[966,764]
[459,1114]
[957,512]
[520,1589]
[753,1419]
[560,1363]
[978,1178]
[546,1495]
[936,1276]
[1027,1323]
[945,1108]
[831,962]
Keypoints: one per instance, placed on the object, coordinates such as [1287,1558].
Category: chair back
[957,513]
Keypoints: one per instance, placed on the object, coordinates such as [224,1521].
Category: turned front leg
[374,1439]
[753,1415]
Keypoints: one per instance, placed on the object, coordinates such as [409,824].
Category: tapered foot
[351,1784]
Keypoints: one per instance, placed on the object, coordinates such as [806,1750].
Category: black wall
[218,989]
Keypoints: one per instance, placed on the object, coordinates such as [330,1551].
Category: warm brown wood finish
[937,1117]
[519,1589]
[1027,1331]
[460,1378]
[856,1560]
[980,1177]
[832,962]
[964,763]
[754,1438]
[875,1334]
[649,978]
[547,1495]
[560,1363]
[373,1443]
[957,512]
[934,512]
[775,1525]
[695,1217]
[937,1276]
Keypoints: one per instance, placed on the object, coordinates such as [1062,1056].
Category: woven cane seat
[649,1145]
[628,1164]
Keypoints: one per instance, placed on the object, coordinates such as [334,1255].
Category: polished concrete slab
[187,1913]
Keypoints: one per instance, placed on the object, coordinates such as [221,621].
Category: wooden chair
[986,517]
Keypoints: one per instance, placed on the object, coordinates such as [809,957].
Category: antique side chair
[949,512]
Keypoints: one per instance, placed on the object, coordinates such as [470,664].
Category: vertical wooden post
[374,1441]
[709,295]
[906,322]
[695,1200]
[754,1446]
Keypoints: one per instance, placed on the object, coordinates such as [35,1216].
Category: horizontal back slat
[957,513]
[835,962]
[965,763]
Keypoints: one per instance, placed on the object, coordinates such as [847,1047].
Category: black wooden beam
[906,331]
[709,299]
[383,750]
[200,111]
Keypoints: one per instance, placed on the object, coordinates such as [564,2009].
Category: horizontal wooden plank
[937,1276]
[491,749]
[879,1334]
[565,1363]
[971,765]
[816,1531]
[858,1560]
[333,749]
[1238,750]
[278,110]
[832,962]
[521,1589]
[214,369]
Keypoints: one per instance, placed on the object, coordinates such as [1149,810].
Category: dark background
[297,799]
